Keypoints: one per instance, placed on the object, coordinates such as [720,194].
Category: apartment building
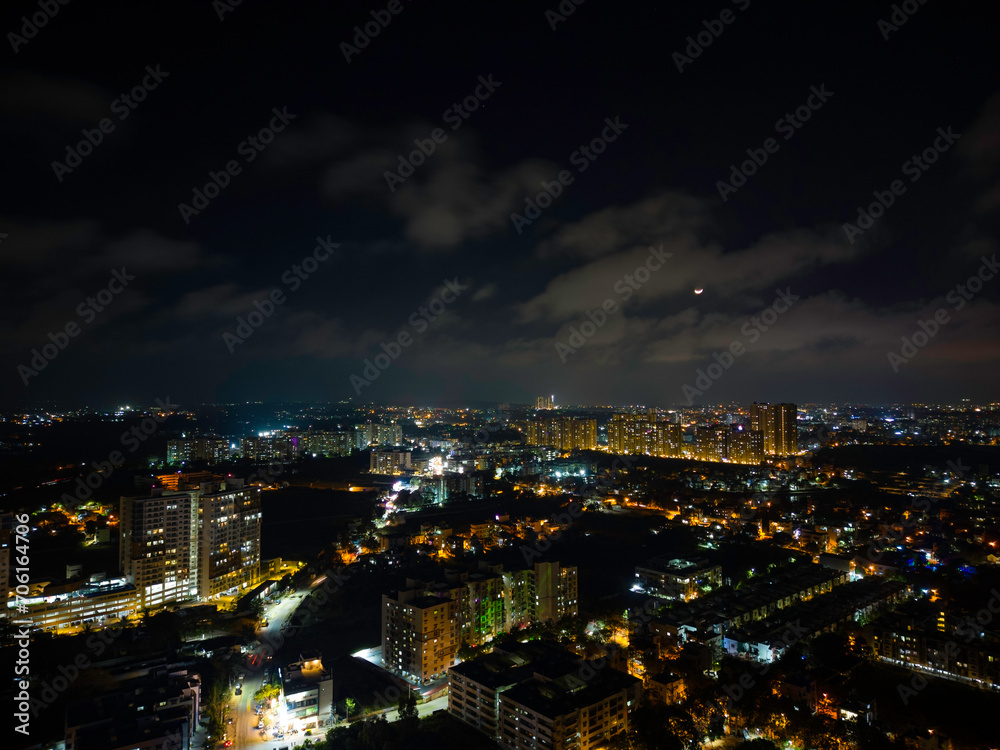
[937,642]
[581,710]
[424,625]
[419,634]
[677,578]
[200,540]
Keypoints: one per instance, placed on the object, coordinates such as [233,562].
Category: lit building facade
[424,625]
[677,579]
[389,462]
[564,433]
[779,425]
[324,443]
[212,450]
[308,692]
[371,433]
[639,434]
[90,603]
[159,547]
[203,542]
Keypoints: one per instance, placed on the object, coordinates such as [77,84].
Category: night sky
[862,99]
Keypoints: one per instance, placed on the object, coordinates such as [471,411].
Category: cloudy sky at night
[886,94]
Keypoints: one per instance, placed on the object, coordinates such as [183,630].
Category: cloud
[484,293]
[460,201]
[653,220]
[695,263]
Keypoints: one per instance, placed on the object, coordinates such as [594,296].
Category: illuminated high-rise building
[627,434]
[779,425]
[212,450]
[666,439]
[563,433]
[159,547]
[203,542]
[746,446]
[424,625]
[711,443]
[545,402]
[643,434]
[377,434]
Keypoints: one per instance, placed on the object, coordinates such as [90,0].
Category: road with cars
[259,662]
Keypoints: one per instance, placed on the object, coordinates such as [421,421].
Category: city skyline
[390,375]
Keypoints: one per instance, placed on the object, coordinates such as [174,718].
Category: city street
[243,731]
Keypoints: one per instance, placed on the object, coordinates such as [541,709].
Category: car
[229,720]
[239,691]
[227,743]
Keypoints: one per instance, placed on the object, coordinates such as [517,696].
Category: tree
[465,651]
[267,692]
[350,705]
[407,708]
[257,609]
[217,705]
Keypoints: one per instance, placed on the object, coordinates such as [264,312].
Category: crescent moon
[698,291]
